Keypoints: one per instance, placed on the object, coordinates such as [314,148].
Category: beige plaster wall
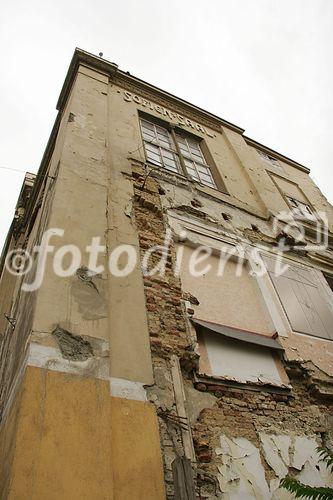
[229,299]
[243,172]
[91,200]
[79,207]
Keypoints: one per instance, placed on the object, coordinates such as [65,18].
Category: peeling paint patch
[127,389]
[85,275]
[242,473]
[72,347]
[50,358]
[89,291]
[128,209]
[276,451]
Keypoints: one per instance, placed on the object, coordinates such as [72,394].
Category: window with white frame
[303,299]
[300,209]
[159,146]
[194,160]
[269,159]
[175,152]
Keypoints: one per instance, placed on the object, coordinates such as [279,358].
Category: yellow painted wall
[137,463]
[7,443]
[76,442]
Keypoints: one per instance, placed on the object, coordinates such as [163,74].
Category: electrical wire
[14,169]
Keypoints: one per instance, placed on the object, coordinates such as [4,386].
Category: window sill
[215,194]
[312,337]
[205,383]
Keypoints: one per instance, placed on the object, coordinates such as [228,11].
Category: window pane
[209,183]
[171,167]
[151,147]
[197,156]
[206,180]
[183,146]
[149,137]
[165,144]
[195,149]
[163,138]
[148,133]
[205,177]
[167,154]
[153,153]
[185,152]
[147,125]
[191,169]
[192,172]
[161,130]
[170,160]
[203,168]
[189,164]
[154,158]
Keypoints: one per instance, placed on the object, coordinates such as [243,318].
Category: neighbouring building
[211,378]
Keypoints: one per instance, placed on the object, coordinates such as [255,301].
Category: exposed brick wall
[165,310]
[166,317]
[235,412]
[239,412]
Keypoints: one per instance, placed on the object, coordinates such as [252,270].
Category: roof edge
[80,56]
[280,156]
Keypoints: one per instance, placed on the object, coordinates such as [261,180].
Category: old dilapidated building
[211,378]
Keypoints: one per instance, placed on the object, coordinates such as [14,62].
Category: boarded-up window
[232,298]
[303,300]
[237,361]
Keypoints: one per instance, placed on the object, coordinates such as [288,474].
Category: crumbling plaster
[80,195]
[152,350]
[176,202]
[242,474]
[202,207]
[239,414]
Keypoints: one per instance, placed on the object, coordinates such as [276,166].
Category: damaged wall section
[244,440]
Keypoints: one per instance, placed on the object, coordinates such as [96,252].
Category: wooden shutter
[303,300]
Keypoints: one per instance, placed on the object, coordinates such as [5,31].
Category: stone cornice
[135,84]
[279,156]
[146,90]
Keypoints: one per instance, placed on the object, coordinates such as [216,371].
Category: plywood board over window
[237,361]
[234,329]
[229,299]
[302,297]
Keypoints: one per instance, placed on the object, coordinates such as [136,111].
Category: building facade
[166,306]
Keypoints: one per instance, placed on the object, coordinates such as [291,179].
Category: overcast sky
[264,65]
